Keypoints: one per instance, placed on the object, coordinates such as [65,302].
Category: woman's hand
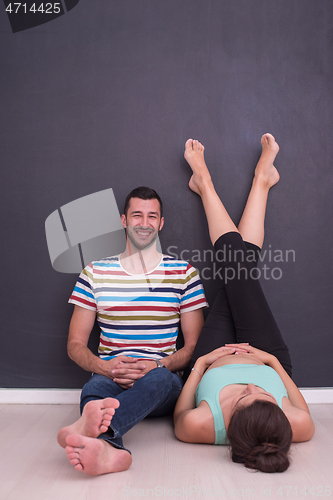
[263,356]
[205,361]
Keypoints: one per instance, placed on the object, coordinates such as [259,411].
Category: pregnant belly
[232,359]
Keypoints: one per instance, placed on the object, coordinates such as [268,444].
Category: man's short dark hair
[144,193]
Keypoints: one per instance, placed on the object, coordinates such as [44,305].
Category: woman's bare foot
[96,456]
[194,155]
[265,171]
[96,418]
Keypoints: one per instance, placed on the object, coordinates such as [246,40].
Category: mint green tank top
[216,379]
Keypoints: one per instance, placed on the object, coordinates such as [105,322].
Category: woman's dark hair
[145,193]
[260,437]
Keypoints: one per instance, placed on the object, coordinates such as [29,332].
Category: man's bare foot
[96,456]
[194,155]
[95,420]
[265,171]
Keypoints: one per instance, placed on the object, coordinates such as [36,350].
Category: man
[139,298]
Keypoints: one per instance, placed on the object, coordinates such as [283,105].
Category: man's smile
[145,232]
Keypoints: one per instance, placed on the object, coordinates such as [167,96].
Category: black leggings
[240,312]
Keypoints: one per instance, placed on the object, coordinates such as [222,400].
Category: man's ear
[161,223]
[123,220]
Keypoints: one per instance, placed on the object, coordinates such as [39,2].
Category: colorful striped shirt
[138,314]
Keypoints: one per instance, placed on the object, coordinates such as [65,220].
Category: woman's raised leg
[219,326]
[249,312]
[251,225]
[219,221]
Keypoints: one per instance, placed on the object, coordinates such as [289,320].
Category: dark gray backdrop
[106,95]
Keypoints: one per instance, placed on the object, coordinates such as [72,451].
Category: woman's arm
[186,400]
[186,416]
[188,420]
[294,395]
[295,408]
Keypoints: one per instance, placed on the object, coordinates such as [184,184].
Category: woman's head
[260,437]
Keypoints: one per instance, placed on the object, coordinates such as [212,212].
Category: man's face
[143,222]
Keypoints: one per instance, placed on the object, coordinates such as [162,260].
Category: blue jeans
[155,395]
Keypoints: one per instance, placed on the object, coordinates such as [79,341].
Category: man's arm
[191,323]
[80,328]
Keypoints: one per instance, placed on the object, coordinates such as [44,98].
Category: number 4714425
[44,8]
[293,491]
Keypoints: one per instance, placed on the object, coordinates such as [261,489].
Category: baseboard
[40,396]
[322,395]
[318,395]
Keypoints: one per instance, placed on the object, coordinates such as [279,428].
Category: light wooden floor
[34,467]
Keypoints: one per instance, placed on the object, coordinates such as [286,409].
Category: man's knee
[98,387]
[164,378]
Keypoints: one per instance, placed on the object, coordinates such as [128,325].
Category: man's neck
[136,261]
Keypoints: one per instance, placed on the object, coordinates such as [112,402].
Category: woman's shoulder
[197,426]
[300,420]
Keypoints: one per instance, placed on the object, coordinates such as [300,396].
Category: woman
[241,393]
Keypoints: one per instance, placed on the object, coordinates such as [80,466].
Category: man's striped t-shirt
[138,314]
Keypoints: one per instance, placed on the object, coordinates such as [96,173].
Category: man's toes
[111,404]
[74,461]
[106,420]
[109,414]
[72,454]
[74,441]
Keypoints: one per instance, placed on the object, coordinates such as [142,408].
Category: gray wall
[106,95]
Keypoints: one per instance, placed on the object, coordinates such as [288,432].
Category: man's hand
[124,370]
[127,370]
[109,365]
